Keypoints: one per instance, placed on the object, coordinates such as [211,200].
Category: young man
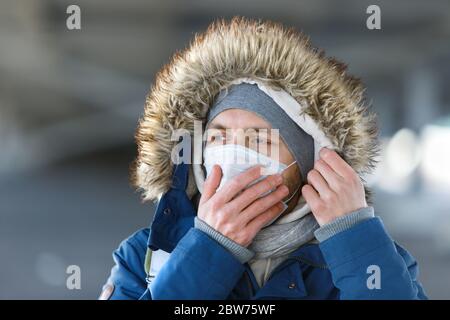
[292,220]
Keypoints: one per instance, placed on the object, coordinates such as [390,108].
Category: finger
[318,182]
[211,184]
[330,176]
[258,222]
[255,191]
[311,196]
[263,204]
[235,185]
[336,162]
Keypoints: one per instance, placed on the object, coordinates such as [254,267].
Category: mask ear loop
[295,161]
[285,203]
[296,190]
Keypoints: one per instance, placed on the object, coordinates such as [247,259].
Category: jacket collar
[174,214]
[288,284]
[287,280]
[310,254]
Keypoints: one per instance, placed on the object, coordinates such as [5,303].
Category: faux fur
[186,86]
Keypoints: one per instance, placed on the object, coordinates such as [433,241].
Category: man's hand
[334,189]
[240,215]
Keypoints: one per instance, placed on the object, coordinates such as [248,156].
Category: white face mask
[235,159]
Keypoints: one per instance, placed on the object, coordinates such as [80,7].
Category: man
[292,221]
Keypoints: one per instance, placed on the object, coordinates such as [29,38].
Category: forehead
[238,119]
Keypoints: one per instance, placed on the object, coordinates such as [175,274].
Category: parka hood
[185,88]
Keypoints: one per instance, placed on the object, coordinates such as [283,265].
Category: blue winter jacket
[198,267]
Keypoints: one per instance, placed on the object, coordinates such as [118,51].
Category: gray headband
[249,97]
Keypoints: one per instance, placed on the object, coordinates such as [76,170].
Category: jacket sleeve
[127,278]
[365,263]
[198,268]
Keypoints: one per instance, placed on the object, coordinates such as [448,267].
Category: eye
[264,140]
[261,140]
[216,138]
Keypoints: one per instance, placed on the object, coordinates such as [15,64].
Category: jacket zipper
[250,286]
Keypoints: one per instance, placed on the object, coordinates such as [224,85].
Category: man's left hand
[334,189]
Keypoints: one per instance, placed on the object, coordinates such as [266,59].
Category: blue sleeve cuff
[355,242]
[240,252]
[343,223]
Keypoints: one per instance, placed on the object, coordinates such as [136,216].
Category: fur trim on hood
[264,50]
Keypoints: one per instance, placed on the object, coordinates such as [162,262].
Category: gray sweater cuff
[343,223]
[240,252]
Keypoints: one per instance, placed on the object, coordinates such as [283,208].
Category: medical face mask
[235,159]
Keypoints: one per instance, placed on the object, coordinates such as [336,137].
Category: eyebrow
[221,127]
[215,126]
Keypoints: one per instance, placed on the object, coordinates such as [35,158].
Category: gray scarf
[278,240]
[274,243]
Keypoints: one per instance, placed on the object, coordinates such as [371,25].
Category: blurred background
[70,101]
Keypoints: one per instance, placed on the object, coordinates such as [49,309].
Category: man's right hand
[240,215]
